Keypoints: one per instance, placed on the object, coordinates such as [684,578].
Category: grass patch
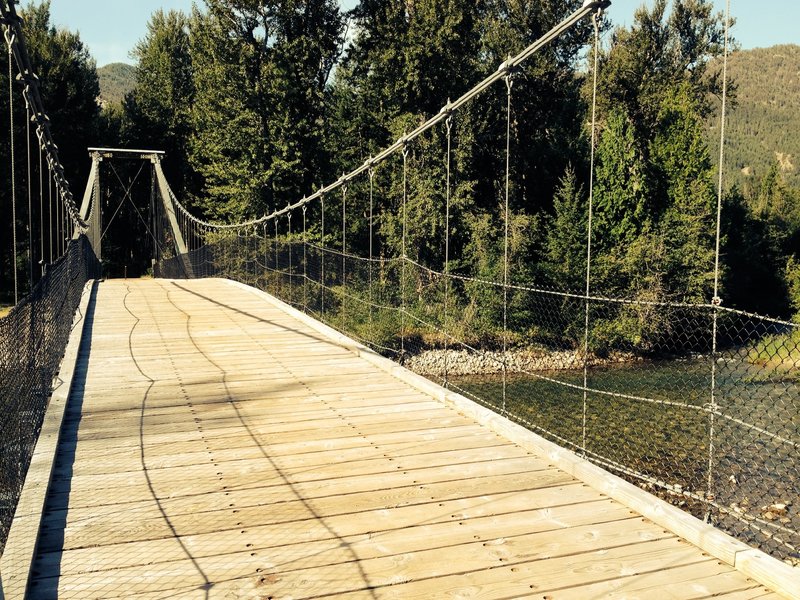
[778,354]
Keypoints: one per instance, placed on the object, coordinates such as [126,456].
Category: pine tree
[260,73]
[566,244]
[682,165]
[157,111]
[622,209]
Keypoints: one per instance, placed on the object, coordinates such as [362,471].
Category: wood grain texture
[217,447]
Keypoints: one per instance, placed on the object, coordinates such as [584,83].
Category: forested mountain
[116,80]
[763,127]
[762,174]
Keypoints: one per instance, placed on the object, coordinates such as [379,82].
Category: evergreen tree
[792,275]
[157,111]
[260,78]
[622,194]
[683,169]
[763,234]
[566,244]
[753,277]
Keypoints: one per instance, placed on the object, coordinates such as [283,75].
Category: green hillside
[116,80]
[764,126]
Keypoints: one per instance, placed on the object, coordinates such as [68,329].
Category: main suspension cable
[716,301]
[41,208]
[30,196]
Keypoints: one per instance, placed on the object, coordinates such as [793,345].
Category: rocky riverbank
[463,362]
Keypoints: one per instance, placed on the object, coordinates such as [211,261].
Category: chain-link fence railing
[715,431]
[33,337]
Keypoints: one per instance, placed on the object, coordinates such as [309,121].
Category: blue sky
[111,28]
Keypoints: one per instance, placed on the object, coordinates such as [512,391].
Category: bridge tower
[160,191]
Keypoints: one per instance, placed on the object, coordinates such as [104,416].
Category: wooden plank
[269,470]
[237,437]
[364,401]
[374,561]
[243,449]
[227,510]
[405,529]
[264,424]
[703,580]
[257,504]
[765,569]
[132,488]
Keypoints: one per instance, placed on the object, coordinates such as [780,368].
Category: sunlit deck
[217,447]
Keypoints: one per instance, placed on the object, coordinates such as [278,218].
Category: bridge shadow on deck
[317,338]
[54,518]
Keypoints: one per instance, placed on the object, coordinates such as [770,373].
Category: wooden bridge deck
[215,447]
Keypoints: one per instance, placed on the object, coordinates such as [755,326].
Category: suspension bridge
[276,415]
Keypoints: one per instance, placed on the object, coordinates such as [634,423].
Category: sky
[111,28]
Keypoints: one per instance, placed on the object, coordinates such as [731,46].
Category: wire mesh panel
[755,480]
[33,337]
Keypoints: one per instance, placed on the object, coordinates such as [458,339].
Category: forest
[260,103]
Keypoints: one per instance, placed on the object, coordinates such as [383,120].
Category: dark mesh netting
[33,337]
